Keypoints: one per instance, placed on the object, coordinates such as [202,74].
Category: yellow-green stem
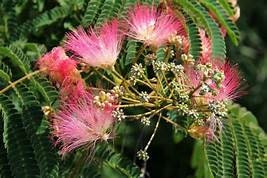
[139,53]
[136,105]
[104,77]
[13,84]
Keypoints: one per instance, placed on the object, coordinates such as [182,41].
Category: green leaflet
[109,9]
[115,161]
[14,59]
[131,52]
[91,12]
[195,42]
[47,18]
[223,19]
[241,149]
[19,150]
[6,72]
[202,18]
[18,59]
[5,170]
[38,132]
[227,7]
[4,76]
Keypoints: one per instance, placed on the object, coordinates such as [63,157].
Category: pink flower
[73,90]
[79,123]
[229,89]
[98,49]
[58,66]
[206,49]
[152,27]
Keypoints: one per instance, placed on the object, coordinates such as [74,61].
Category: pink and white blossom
[152,27]
[97,48]
[58,66]
[79,123]
[229,89]
[206,48]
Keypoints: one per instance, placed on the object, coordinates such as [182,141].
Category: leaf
[14,59]
[131,52]
[201,17]
[195,42]
[5,170]
[199,161]
[223,19]
[44,19]
[109,9]
[115,161]
[4,76]
[241,149]
[227,7]
[37,130]
[19,151]
[93,7]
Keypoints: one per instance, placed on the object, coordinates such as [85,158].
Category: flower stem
[172,122]
[139,53]
[153,134]
[13,84]
[136,105]
[104,77]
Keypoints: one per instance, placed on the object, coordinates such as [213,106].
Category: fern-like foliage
[115,161]
[20,152]
[240,150]
[223,18]
[201,16]
[38,132]
[195,42]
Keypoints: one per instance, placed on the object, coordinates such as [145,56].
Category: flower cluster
[197,89]
[80,123]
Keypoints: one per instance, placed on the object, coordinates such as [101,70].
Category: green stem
[139,53]
[136,105]
[13,84]
[104,77]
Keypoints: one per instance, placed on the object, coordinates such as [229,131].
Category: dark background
[169,160]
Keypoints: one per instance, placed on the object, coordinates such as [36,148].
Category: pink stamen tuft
[151,27]
[79,123]
[96,48]
[230,88]
[206,49]
[58,66]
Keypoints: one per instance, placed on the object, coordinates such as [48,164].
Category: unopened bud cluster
[142,155]
[118,91]
[137,72]
[104,99]
[218,109]
[145,121]
[118,114]
[176,39]
[144,97]
[160,66]
[187,59]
